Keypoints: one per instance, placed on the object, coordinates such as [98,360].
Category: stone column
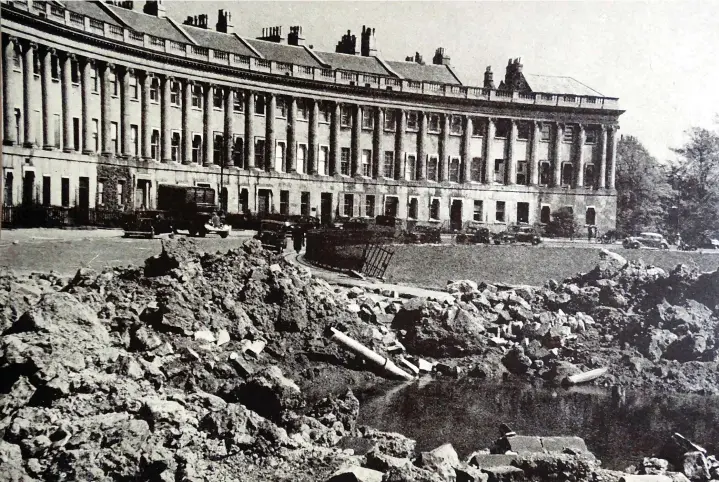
[207,121]
[187,86]
[421,149]
[443,151]
[106,111]
[488,140]
[87,66]
[399,166]
[229,128]
[29,98]
[511,178]
[46,81]
[534,154]
[66,87]
[145,80]
[335,140]
[166,135]
[556,163]
[312,137]
[9,137]
[602,157]
[581,139]
[612,164]
[291,139]
[270,105]
[125,108]
[466,148]
[377,142]
[250,130]
[355,143]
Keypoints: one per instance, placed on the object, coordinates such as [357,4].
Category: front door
[142,194]
[523,213]
[326,208]
[263,201]
[455,215]
[391,205]
[28,188]
[244,200]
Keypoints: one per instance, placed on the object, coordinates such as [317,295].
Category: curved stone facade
[99,114]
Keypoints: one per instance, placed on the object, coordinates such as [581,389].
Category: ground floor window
[412,208]
[590,217]
[305,203]
[432,168]
[65,192]
[100,192]
[389,164]
[120,193]
[391,204]
[348,205]
[478,210]
[142,194]
[499,215]
[8,187]
[369,205]
[545,214]
[46,192]
[434,209]
[523,213]
[284,202]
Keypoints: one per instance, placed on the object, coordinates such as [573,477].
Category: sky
[659,57]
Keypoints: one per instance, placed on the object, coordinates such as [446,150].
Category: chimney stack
[224,22]
[440,58]
[416,58]
[272,34]
[155,7]
[295,36]
[368,44]
[513,79]
[348,44]
[489,78]
[199,21]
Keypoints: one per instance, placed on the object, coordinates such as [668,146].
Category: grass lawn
[432,266]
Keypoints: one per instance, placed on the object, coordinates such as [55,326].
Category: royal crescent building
[103,103]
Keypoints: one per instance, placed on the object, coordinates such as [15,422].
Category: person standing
[298,238]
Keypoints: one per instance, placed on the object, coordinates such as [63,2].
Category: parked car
[146,223]
[474,234]
[701,242]
[273,235]
[358,224]
[424,233]
[646,240]
[518,234]
[306,223]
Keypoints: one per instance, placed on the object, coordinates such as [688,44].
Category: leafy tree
[643,191]
[563,224]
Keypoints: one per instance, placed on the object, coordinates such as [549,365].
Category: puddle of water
[468,415]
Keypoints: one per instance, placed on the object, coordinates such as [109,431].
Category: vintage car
[701,242]
[306,223]
[424,233]
[474,234]
[645,240]
[518,234]
[146,223]
[273,235]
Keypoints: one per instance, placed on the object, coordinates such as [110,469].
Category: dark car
[146,223]
[358,224]
[518,234]
[273,235]
[474,234]
[424,233]
[305,223]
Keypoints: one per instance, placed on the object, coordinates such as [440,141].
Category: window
[175,93]
[120,193]
[155,144]
[302,158]
[113,83]
[93,78]
[280,159]
[345,116]
[18,119]
[238,152]
[284,202]
[589,175]
[95,139]
[302,110]
[65,192]
[46,191]
[54,67]
[411,167]
[369,206]
[367,118]
[132,80]
[281,107]
[567,174]
[476,169]
[154,89]
[323,161]
[412,208]
[432,168]
[260,105]
[412,121]
[568,134]
[197,96]
[546,132]
[260,154]
[197,148]
[100,192]
[591,136]
[133,139]
[433,123]
[455,126]
[217,97]
[390,120]
[345,161]
[544,173]
[502,131]
[478,211]
[434,209]
[454,168]
[325,114]
[545,214]
[367,163]
[499,214]
[305,203]
[499,171]
[217,148]
[523,212]
[174,146]
[479,127]
[349,205]
[113,137]
[590,216]
[522,176]
[8,200]
[74,71]
[57,127]
[238,102]
[523,129]
[389,164]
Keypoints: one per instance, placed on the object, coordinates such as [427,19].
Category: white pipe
[357,347]
[586,376]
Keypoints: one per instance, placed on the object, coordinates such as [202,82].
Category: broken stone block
[356,474]
[491,460]
[653,466]
[223,337]
[253,348]
[424,366]
[376,460]
[521,444]
[560,444]
[503,474]
[644,478]
[470,474]
[441,460]
[695,466]
[205,335]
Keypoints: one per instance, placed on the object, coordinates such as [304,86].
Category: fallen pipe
[357,347]
[586,376]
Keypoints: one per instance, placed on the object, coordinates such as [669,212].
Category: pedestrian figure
[298,239]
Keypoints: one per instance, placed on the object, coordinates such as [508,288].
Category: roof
[92,10]
[355,63]
[289,54]
[218,40]
[551,84]
[149,24]
[426,73]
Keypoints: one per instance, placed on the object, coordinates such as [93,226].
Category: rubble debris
[385,363]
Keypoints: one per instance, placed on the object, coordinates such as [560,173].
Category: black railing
[36,216]
[343,250]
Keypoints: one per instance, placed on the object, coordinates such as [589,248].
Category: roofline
[248,45]
[386,66]
[116,17]
[182,30]
[314,55]
[599,94]
[454,74]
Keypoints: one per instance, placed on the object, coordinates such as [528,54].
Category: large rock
[696,467]
[269,393]
[356,474]
[655,343]
[441,460]
[691,346]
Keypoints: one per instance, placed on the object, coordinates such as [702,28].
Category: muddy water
[618,432]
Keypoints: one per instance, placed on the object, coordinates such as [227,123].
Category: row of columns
[608,137]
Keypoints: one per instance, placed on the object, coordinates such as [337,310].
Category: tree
[643,191]
[563,224]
